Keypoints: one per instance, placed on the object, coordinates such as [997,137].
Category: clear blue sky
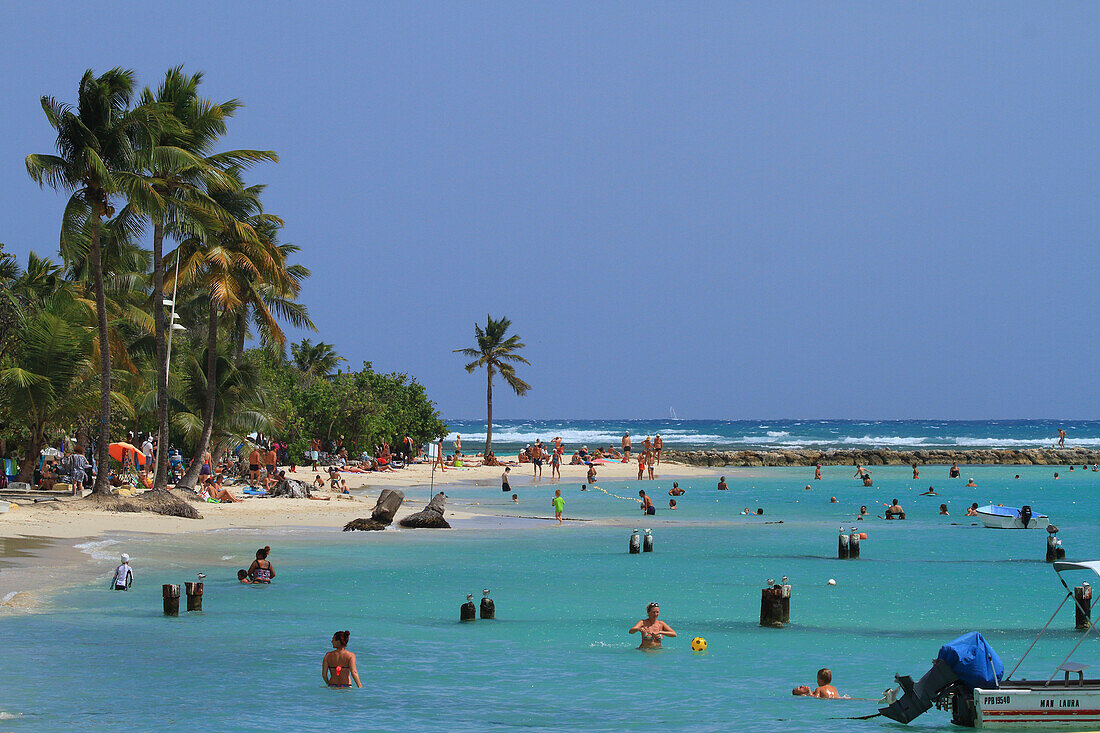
[740,210]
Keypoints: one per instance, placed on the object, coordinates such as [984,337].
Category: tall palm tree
[315,360]
[94,161]
[179,165]
[497,354]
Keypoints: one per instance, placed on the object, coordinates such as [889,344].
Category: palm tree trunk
[30,460]
[192,475]
[160,480]
[489,409]
[102,457]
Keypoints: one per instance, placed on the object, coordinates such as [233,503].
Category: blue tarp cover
[973,661]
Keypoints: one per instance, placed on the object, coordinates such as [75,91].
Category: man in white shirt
[124,574]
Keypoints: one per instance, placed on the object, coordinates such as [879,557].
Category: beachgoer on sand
[652,628]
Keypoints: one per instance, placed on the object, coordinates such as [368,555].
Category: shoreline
[888,457]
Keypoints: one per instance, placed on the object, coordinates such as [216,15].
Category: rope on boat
[1041,632]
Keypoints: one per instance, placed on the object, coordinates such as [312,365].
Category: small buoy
[698,644]
[831,582]
[863,535]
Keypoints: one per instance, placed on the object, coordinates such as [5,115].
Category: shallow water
[558,656]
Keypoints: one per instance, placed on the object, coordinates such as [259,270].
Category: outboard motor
[921,695]
[1025,515]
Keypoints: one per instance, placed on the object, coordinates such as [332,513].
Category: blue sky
[873,210]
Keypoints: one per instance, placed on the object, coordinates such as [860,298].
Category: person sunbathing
[576,459]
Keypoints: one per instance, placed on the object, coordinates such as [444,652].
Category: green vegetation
[84,345]
[495,353]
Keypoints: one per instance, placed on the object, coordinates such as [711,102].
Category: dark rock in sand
[364,525]
[431,517]
[389,501]
[290,488]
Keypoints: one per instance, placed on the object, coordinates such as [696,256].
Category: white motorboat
[966,679]
[1009,517]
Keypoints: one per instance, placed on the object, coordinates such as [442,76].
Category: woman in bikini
[651,628]
[338,666]
[261,571]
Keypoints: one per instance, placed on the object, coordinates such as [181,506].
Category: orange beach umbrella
[119,451]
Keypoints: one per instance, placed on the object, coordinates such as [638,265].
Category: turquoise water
[559,656]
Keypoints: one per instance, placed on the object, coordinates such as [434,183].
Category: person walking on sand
[124,574]
[504,485]
[649,462]
[80,466]
[253,466]
[338,666]
[641,465]
[559,505]
[555,465]
[626,444]
[652,628]
[438,461]
[658,446]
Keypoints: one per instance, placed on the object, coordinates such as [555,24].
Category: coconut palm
[94,161]
[496,353]
[315,360]
[179,165]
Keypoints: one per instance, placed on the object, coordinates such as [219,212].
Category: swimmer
[825,689]
[930,492]
[1056,475]
[584,487]
[807,488]
[971,485]
[916,473]
[832,500]
[675,490]
[862,512]
[1017,475]
[261,571]
[759,512]
[817,472]
[943,511]
[747,511]
[124,575]
[953,472]
[652,628]
[559,505]
[242,576]
[338,666]
[722,484]
[671,503]
[515,498]
[972,511]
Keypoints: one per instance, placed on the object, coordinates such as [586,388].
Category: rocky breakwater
[886,457]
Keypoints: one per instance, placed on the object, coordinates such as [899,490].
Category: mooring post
[488,608]
[1082,603]
[1055,551]
[647,541]
[468,612]
[786,601]
[194,596]
[771,606]
[853,545]
[842,551]
[171,594]
[635,543]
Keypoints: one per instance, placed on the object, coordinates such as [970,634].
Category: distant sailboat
[672,413]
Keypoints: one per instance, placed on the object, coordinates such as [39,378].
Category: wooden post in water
[771,607]
[853,544]
[842,551]
[1055,551]
[635,543]
[785,599]
[647,542]
[468,612]
[171,595]
[1082,603]
[488,608]
[194,596]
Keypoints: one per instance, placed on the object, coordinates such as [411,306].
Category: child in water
[242,576]
[825,689]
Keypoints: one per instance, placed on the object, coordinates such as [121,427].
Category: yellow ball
[698,644]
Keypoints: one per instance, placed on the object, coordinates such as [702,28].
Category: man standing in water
[651,628]
[626,444]
[504,485]
[647,503]
[559,505]
[124,575]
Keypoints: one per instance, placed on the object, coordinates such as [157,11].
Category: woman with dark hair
[261,571]
[338,666]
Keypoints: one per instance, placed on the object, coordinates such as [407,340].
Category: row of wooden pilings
[171,596]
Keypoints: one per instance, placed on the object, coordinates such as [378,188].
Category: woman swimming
[651,628]
[261,571]
[338,666]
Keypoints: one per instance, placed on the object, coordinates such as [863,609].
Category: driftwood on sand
[389,501]
[430,517]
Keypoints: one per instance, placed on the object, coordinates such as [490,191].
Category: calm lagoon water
[558,656]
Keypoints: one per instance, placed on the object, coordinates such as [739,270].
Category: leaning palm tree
[94,161]
[179,165]
[497,354]
[315,360]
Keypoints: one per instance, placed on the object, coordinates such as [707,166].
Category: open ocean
[558,657]
[511,435]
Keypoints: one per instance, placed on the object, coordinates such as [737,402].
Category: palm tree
[315,360]
[497,354]
[179,165]
[95,156]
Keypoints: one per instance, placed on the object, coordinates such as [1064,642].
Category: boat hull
[1056,708]
[999,521]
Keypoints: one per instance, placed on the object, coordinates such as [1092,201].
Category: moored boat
[966,678]
[1009,517]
